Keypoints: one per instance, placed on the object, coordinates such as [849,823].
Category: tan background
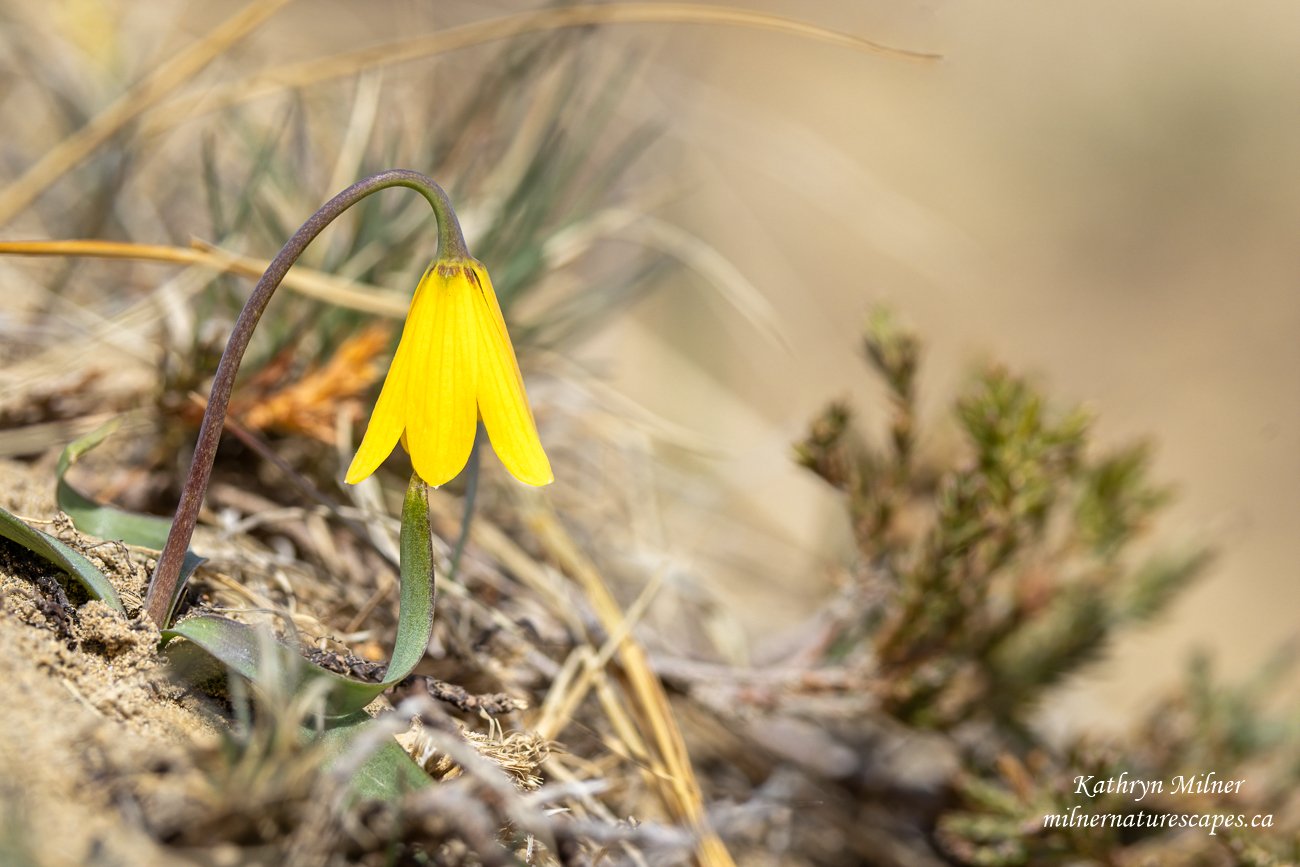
[1106,195]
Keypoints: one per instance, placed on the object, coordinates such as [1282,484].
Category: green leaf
[71,561]
[98,519]
[110,522]
[243,648]
[386,774]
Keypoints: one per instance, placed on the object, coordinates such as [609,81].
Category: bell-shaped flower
[454,365]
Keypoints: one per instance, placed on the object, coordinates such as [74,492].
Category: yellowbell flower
[454,365]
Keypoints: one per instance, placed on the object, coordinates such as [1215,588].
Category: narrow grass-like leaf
[71,561]
[110,522]
[242,648]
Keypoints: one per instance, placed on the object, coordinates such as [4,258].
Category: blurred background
[1105,195]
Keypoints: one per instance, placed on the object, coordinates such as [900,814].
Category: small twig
[459,697]
[387,585]
[76,693]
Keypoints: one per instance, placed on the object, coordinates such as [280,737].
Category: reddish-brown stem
[164,586]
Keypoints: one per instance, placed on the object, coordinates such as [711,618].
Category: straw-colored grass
[169,76]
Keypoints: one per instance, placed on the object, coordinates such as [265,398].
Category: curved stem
[163,585]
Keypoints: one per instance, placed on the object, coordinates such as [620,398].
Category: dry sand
[92,728]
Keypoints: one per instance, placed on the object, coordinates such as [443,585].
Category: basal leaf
[386,774]
[243,649]
[110,522]
[71,561]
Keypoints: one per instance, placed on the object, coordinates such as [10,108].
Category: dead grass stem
[296,75]
[305,281]
[676,783]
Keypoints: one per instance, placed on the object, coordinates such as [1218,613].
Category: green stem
[164,587]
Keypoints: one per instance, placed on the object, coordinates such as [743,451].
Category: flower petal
[441,415]
[502,400]
[389,416]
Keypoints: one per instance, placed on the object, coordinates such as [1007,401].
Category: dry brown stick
[174,72]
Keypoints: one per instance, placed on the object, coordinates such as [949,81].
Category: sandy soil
[86,699]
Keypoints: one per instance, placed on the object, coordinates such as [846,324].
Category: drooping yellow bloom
[454,364]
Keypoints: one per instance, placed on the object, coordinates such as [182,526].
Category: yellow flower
[454,364]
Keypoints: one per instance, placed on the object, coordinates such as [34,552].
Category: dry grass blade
[304,281]
[563,699]
[678,787]
[503,549]
[166,78]
[651,718]
[585,15]
[365,108]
